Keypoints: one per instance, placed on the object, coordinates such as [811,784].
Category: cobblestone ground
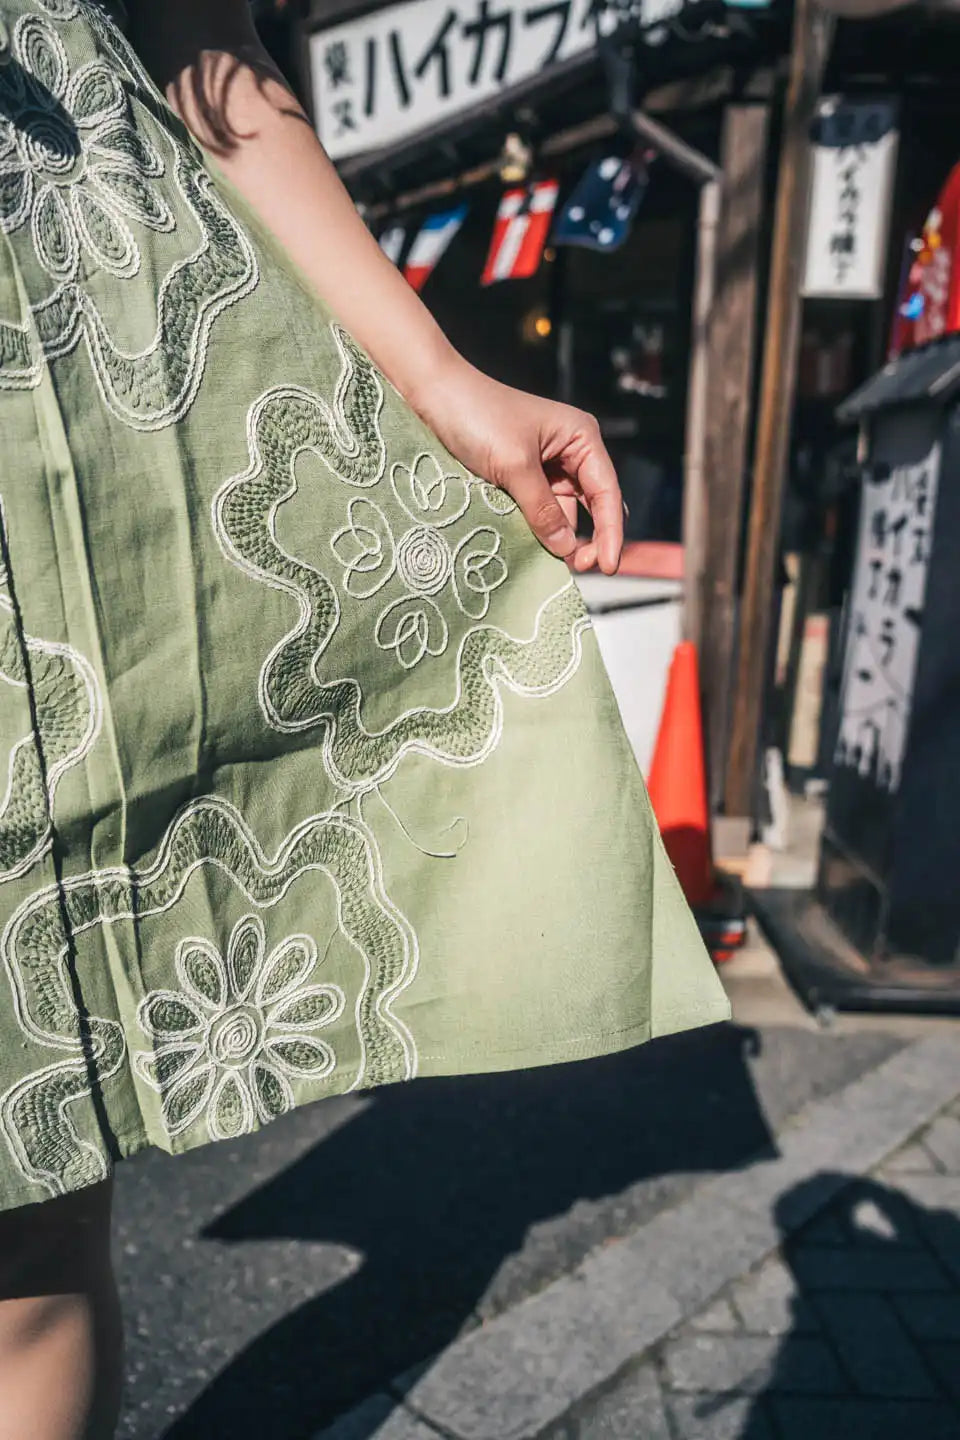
[851,1333]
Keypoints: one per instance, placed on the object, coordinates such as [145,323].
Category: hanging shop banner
[854,158]
[929,302]
[432,239]
[605,200]
[383,76]
[520,232]
[391,242]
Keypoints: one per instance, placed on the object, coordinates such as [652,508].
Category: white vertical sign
[854,158]
[886,615]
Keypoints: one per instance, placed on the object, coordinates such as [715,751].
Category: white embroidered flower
[422,559]
[428,492]
[71,163]
[228,1043]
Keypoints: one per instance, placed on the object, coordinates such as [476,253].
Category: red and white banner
[520,232]
[434,236]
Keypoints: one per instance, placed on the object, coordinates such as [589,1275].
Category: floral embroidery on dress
[45,736]
[422,559]
[60,9]
[296,691]
[80,168]
[71,163]
[238,1031]
[228,1044]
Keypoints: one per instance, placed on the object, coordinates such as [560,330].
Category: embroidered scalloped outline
[69,711]
[34,1112]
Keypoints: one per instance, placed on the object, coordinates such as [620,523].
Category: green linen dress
[311,777]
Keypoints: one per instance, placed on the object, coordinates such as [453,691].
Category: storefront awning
[930,373]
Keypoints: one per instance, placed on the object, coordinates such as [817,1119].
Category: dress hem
[592,1045]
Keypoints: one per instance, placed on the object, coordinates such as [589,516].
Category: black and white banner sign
[383,76]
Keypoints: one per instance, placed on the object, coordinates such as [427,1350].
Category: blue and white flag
[431,240]
[605,200]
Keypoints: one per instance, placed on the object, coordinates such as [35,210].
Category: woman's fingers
[541,509]
[584,557]
[550,509]
[598,481]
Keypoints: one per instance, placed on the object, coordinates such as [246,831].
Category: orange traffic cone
[678,781]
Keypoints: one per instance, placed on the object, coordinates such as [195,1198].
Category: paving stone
[943,1142]
[825,1230]
[378,1418]
[932,1192]
[717,1319]
[866,1269]
[942,1232]
[770,1302]
[801,1419]
[633,1408]
[874,1347]
[522,1372]
[750,1364]
[912,1159]
[717,1417]
[945,1360]
[936,1200]
[930,1317]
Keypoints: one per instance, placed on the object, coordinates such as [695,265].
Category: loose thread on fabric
[434,854]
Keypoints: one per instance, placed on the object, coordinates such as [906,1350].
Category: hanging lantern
[516,158]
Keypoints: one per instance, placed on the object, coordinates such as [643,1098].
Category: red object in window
[651,560]
[929,302]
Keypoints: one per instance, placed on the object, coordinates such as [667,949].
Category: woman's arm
[206,56]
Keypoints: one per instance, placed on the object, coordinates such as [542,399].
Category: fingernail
[562,539]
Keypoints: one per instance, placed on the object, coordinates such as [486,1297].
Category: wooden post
[731,369]
[696,499]
[812,33]
[707,175]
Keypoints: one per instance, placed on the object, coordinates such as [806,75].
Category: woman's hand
[549,457]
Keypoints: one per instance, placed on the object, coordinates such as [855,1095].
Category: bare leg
[60,1330]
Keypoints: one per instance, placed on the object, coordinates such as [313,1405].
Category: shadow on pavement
[878,1301]
[436,1184]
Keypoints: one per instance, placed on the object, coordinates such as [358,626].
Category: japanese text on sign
[388,74]
[886,613]
[853,165]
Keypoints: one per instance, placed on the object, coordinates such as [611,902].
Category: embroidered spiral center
[424,560]
[235,1037]
[52,149]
